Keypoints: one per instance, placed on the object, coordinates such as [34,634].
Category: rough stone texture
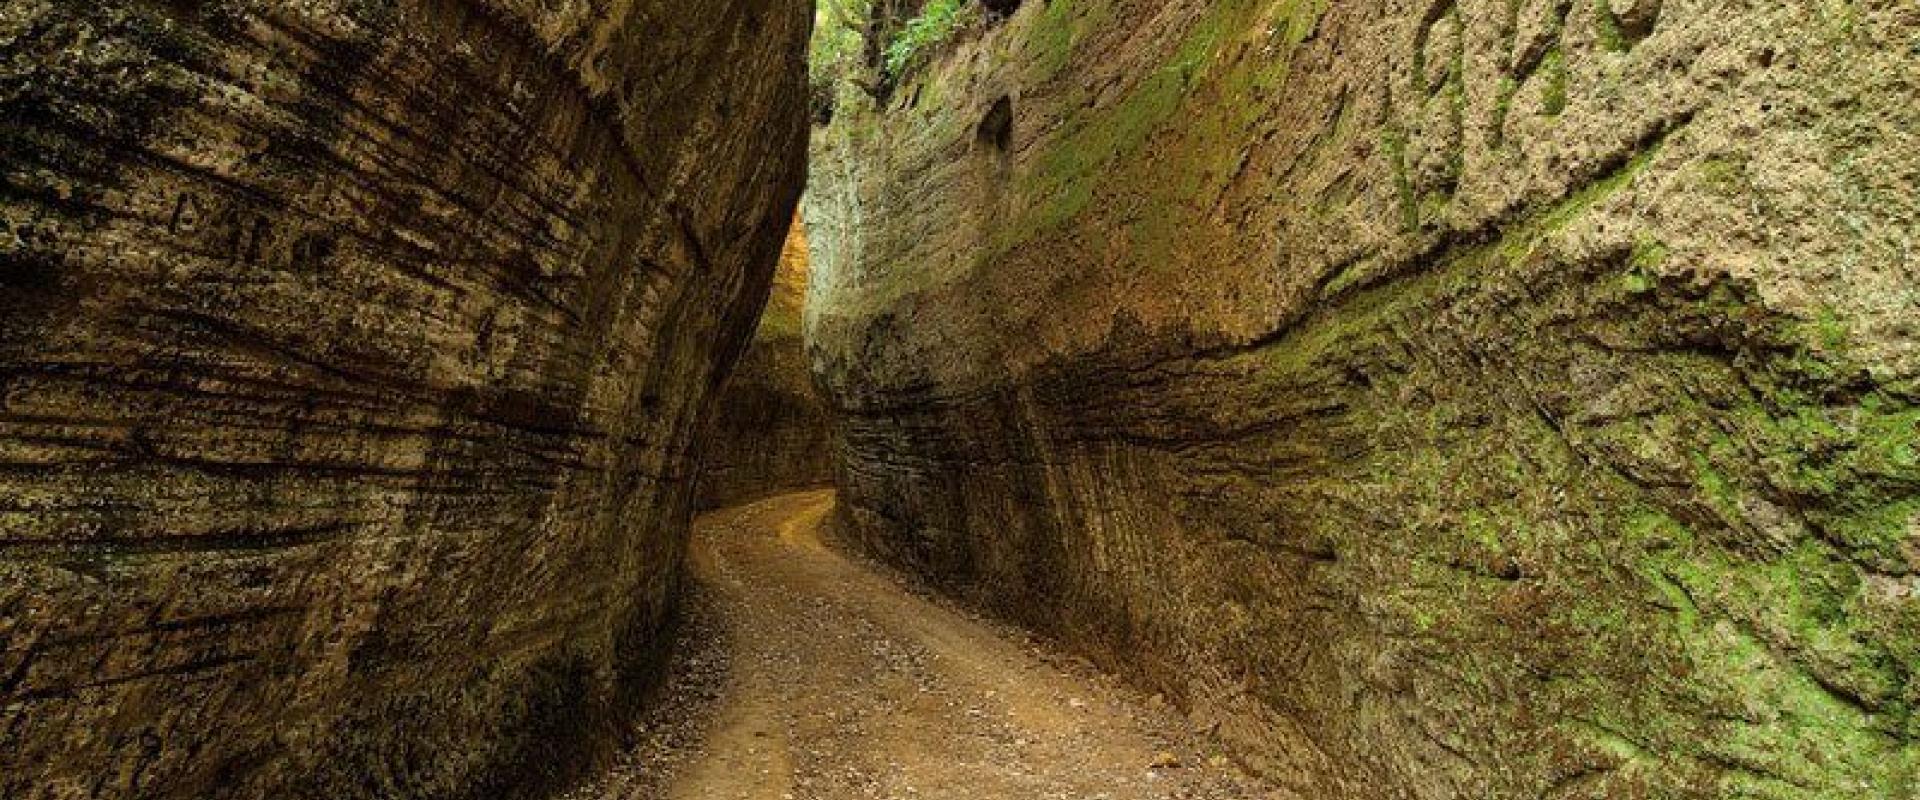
[1473,399]
[351,354]
[771,432]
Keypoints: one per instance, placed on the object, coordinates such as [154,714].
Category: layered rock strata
[1447,399]
[351,355]
[771,431]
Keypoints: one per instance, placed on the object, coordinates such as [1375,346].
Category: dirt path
[812,677]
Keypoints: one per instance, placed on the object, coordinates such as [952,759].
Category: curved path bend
[804,675]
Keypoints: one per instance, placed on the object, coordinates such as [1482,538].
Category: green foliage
[837,39]
[937,22]
[840,51]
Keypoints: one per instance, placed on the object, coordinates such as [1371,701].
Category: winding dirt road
[808,676]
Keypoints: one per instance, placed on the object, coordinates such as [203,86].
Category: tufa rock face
[1472,399]
[350,356]
[771,431]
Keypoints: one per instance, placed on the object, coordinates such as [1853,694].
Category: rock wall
[771,431]
[351,353]
[1446,399]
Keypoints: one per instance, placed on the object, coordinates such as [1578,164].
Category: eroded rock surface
[771,431]
[351,352]
[1456,399]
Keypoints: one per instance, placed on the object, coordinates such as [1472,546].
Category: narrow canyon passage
[825,679]
[1428,399]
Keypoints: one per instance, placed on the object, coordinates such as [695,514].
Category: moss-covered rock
[1500,399]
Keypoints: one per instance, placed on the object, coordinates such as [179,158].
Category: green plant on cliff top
[837,41]
[937,22]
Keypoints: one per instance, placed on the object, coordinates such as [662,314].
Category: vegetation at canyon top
[884,39]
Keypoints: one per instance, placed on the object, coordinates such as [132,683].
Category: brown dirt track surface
[823,679]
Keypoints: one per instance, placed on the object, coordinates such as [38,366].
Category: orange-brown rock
[771,431]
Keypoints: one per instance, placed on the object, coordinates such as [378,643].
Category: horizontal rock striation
[1446,399]
[771,430]
[351,355]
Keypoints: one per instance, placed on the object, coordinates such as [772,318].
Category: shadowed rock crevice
[996,128]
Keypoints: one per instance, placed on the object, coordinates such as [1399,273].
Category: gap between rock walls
[1456,400]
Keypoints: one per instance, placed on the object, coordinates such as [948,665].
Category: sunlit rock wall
[351,353]
[771,431]
[1478,399]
